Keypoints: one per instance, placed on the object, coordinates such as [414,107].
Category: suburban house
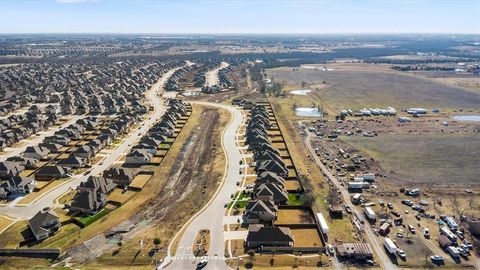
[9,169]
[44,224]
[51,172]
[28,163]
[72,161]
[138,156]
[271,192]
[271,166]
[259,235]
[19,185]
[84,151]
[258,211]
[92,194]
[119,176]
[269,177]
[36,152]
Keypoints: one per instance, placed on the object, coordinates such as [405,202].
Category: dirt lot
[358,89]
[306,238]
[120,195]
[4,222]
[294,216]
[447,158]
[140,181]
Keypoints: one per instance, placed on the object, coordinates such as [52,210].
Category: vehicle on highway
[86,173]
[202,264]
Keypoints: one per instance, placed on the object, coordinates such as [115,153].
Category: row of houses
[92,194]
[269,189]
[143,152]
[17,127]
[173,83]
[105,87]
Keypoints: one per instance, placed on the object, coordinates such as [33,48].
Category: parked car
[401,254]
[330,249]
[437,259]
[399,235]
[426,233]
[390,205]
[411,228]
[467,243]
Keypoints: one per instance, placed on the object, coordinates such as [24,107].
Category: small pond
[302,92]
[475,118]
[308,112]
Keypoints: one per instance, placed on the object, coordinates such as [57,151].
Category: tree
[251,254]
[157,242]
[308,199]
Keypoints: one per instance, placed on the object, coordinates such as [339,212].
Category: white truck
[370,214]
[322,223]
[390,246]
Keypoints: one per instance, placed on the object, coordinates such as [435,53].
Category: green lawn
[242,200]
[87,220]
[164,146]
[294,199]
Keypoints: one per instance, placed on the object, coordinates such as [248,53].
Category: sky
[235,16]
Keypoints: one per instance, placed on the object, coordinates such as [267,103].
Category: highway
[26,211]
[385,261]
[212,215]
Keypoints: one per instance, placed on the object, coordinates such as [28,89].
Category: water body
[308,112]
[475,118]
[302,92]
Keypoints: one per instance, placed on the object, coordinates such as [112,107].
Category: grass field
[294,199]
[357,89]
[119,195]
[140,181]
[87,220]
[292,185]
[443,158]
[4,222]
[306,238]
[294,216]
[12,236]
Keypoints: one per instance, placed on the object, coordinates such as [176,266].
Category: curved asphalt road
[211,216]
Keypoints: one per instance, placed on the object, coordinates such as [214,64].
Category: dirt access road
[212,215]
[378,247]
